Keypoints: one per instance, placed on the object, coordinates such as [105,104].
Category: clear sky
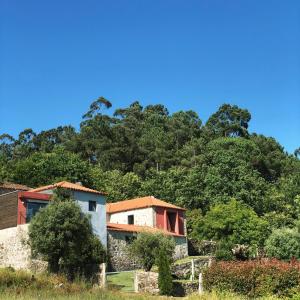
[57,56]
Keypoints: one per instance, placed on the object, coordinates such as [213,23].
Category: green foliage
[254,278]
[283,243]
[235,223]
[165,283]
[44,168]
[224,251]
[147,246]
[118,186]
[229,120]
[63,236]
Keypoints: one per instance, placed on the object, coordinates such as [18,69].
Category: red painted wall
[22,196]
[160,220]
[159,217]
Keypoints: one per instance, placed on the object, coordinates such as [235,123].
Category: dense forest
[237,186]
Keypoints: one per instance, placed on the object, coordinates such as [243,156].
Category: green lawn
[122,281]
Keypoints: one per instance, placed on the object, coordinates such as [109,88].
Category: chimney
[79,183]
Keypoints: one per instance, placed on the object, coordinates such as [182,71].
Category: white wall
[142,217]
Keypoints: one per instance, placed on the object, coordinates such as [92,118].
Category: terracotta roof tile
[148,201]
[137,228]
[14,186]
[67,185]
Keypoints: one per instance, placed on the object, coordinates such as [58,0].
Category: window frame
[93,205]
[131,217]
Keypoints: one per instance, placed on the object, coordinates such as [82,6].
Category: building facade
[25,204]
[125,219]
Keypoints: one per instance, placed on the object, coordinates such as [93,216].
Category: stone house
[25,204]
[125,219]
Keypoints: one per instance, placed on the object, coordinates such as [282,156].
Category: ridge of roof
[67,185]
[142,202]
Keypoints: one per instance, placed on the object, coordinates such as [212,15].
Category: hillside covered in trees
[237,186]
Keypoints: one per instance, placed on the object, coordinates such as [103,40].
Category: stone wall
[181,248]
[15,252]
[184,288]
[184,270]
[146,282]
[119,258]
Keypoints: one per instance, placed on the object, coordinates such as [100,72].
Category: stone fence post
[200,289]
[102,277]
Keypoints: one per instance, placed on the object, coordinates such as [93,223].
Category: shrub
[254,278]
[223,251]
[164,273]
[147,246]
[63,236]
[283,243]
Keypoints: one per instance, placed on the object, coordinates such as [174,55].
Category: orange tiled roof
[67,185]
[147,201]
[14,186]
[137,228]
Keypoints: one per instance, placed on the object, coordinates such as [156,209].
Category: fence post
[209,262]
[193,270]
[136,285]
[103,275]
[200,289]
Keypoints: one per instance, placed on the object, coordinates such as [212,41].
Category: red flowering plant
[254,278]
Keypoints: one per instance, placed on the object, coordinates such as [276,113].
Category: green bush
[223,251]
[147,246]
[254,278]
[165,284]
[283,243]
[63,236]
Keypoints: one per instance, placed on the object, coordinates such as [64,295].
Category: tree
[147,246]
[62,235]
[43,168]
[229,120]
[235,223]
[283,243]
[165,283]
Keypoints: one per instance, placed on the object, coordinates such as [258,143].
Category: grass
[21,285]
[122,281]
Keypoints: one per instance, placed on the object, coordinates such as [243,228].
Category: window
[32,209]
[171,219]
[131,219]
[92,205]
[129,239]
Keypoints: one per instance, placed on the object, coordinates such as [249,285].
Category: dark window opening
[32,209]
[129,239]
[92,205]
[131,219]
[171,219]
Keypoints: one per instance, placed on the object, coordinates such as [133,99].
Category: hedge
[254,278]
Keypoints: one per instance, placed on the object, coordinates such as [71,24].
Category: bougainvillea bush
[254,278]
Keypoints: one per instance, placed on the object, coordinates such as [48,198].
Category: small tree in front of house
[62,235]
[165,283]
[147,245]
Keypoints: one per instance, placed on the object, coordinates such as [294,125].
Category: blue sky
[56,57]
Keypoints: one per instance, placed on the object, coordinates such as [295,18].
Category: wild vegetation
[238,186]
[24,286]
